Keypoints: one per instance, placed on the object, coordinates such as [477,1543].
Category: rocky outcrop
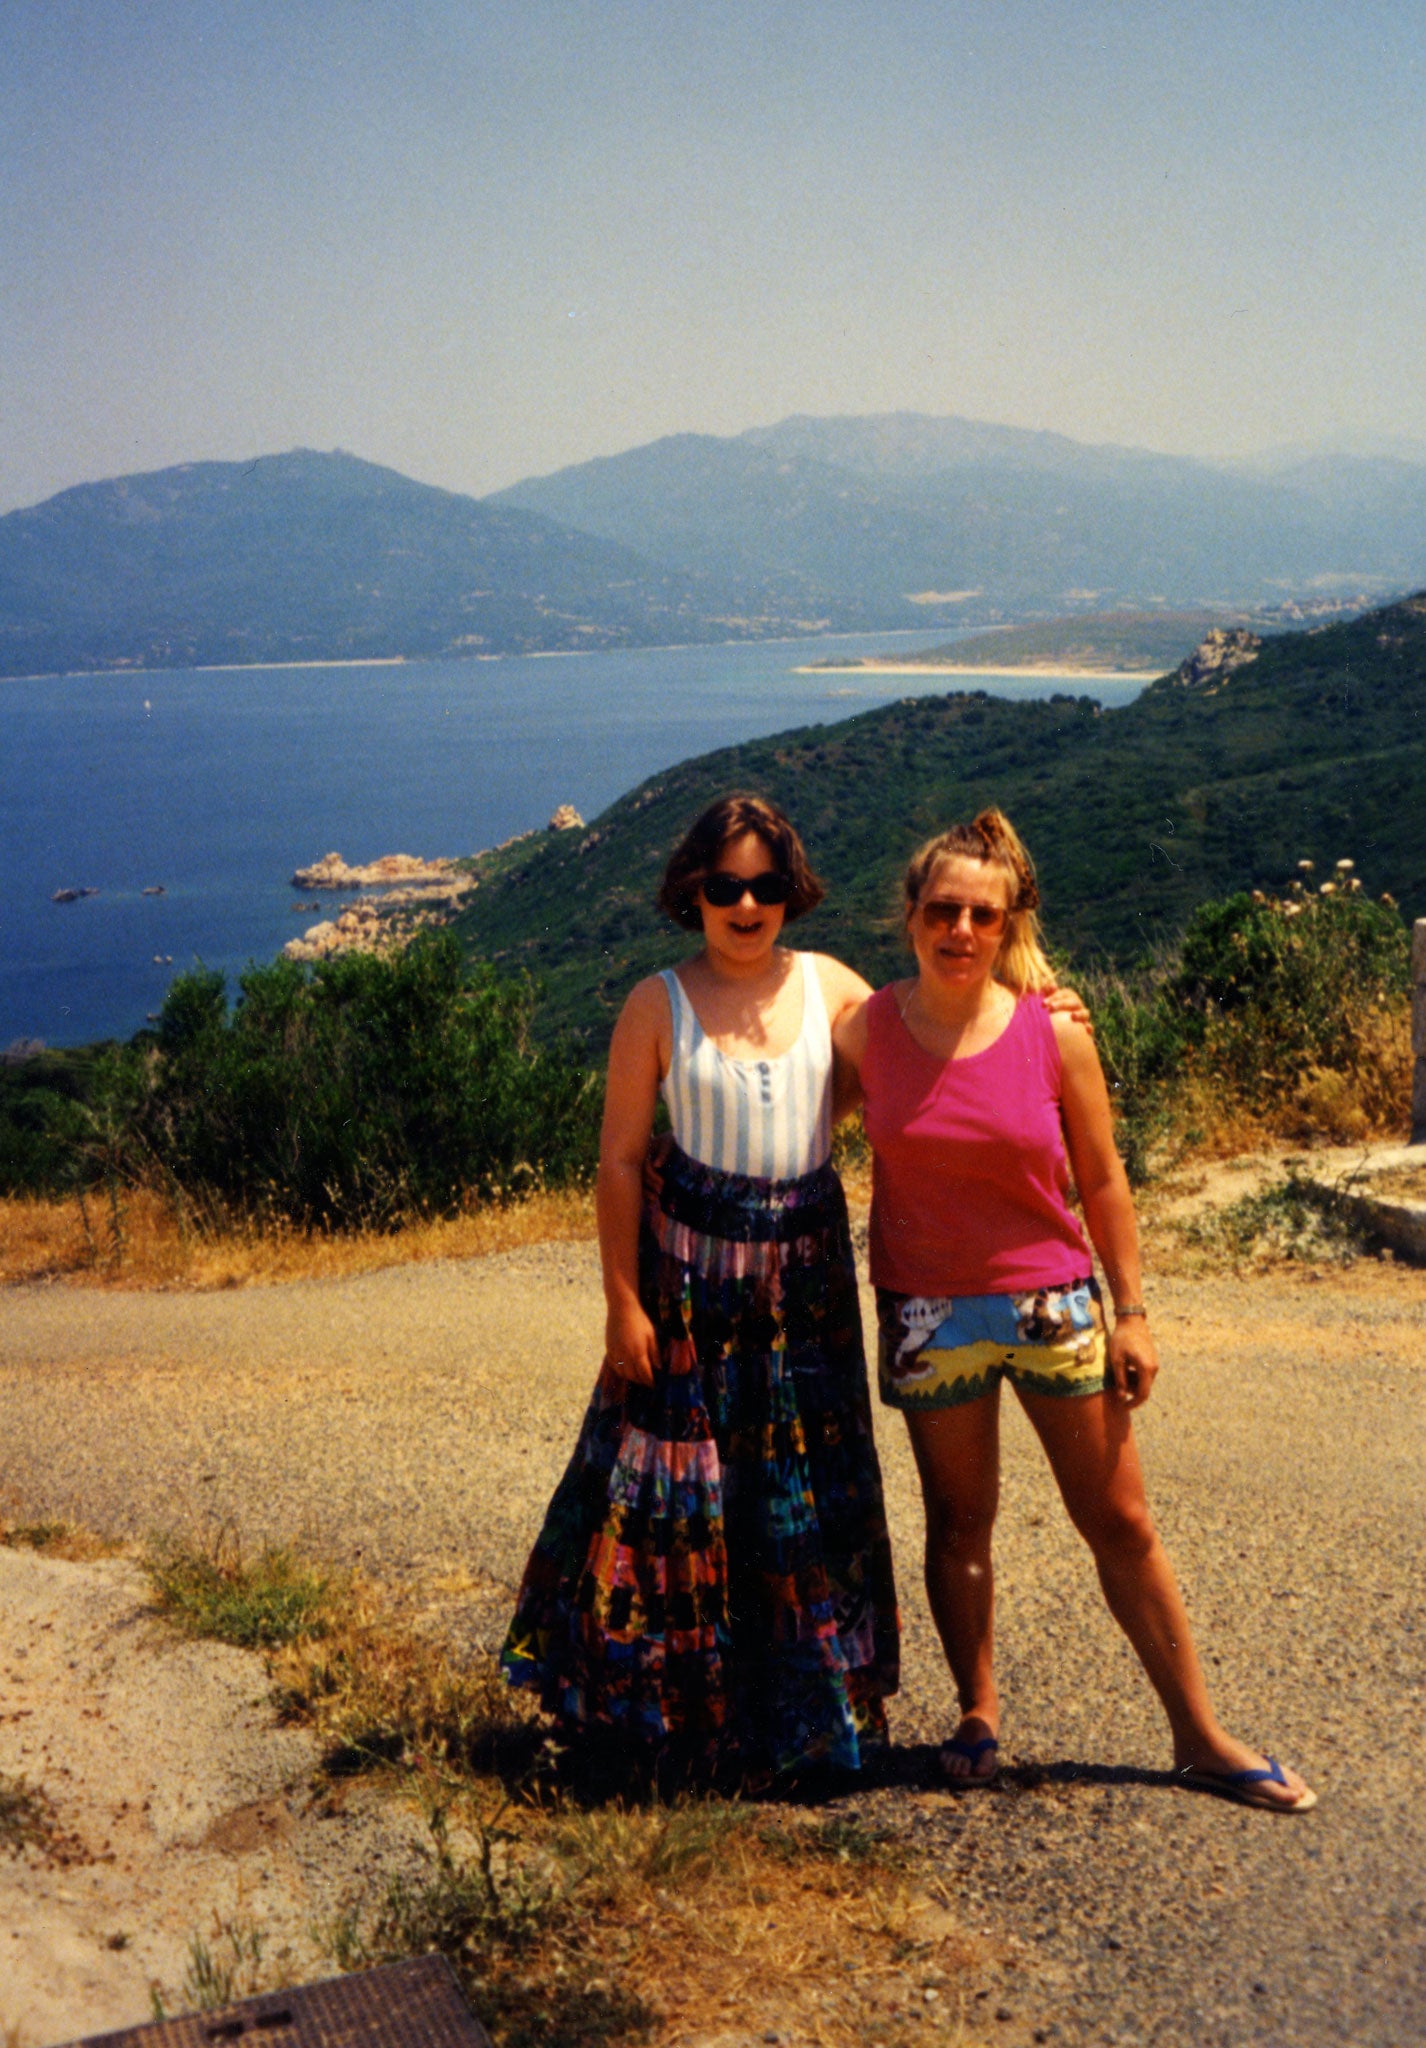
[332,872]
[1215,658]
[565,818]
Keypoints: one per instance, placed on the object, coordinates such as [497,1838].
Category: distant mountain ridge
[311,557]
[866,518]
[813,525]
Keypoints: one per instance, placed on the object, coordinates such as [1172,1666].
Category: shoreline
[214,668]
[1045,669]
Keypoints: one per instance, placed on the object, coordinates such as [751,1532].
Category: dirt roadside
[415,1420]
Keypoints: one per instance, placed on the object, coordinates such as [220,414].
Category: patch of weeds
[841,1838]
[26,1817]
[1297,1219]
[275,1598]
[56,1539]
[377,1693]
[617,1850]
[229,1964]
[230,1970]
[34,1535]
[569,1925]
[506,1923]
[564,2015]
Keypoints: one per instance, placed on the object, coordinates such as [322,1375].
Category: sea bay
[212,785]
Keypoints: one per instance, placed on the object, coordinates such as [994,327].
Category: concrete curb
[1400,1224]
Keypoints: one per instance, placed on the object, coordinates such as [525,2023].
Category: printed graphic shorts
[936,1351]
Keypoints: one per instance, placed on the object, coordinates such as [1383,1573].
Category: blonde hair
[1020,964]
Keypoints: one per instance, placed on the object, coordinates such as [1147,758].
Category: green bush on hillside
[45,1121]
[353,1093]
[1282,1011]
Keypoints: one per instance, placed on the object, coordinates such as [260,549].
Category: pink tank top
[969,1177]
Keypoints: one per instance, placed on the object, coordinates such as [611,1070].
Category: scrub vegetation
[1136,817]
[345,1101]
[569,1917]
[25,1817]
[1275,1017]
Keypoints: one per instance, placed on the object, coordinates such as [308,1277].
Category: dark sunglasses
[943,914]
[723,890]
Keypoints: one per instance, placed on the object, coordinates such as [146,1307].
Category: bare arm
[1108,1206]
[638,1058]
[845,994]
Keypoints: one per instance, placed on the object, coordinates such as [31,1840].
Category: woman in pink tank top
[978,1105]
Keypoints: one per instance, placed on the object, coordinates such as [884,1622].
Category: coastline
[209,668]
[1064,669]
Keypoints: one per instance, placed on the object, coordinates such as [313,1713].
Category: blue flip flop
[1246,1787]
[972,1752]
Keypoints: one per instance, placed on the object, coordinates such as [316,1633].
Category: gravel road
[417,1419]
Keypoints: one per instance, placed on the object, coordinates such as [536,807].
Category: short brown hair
[696,855]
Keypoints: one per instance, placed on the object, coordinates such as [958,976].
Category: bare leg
[1089,1441]
[958,1456]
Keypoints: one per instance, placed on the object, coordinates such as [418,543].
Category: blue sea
[213,785]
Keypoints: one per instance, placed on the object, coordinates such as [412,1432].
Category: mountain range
[814,525]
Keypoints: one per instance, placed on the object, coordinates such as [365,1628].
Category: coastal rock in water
[356,930]
[332,872]
[1215,658]
[376,927]
[72,895]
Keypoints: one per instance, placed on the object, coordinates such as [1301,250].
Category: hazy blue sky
[480,241]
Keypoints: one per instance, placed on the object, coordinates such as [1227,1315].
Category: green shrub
[1275,1013]
[353,1093]
[1272,987]
[44,1096]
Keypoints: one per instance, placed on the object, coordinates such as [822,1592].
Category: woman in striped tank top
[713,1581]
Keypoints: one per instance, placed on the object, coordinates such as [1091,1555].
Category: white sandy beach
[1064,670]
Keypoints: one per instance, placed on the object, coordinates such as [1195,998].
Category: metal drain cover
[403,2005]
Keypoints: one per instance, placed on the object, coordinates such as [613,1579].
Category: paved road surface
[418,1418]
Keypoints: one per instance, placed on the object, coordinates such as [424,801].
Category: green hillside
[1317,748]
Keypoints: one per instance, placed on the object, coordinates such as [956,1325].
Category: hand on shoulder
[1068,1002]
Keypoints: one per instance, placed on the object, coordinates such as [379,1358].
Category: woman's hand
[655,1160]
[631,1348]
[1067,1002]
[1133,1361]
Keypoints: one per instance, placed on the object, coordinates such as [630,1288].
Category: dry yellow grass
[58,1539]
[610,1921]
[152,1246]
[1218,1116]
[773,1929]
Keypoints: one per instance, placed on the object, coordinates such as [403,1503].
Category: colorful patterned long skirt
[713,1580]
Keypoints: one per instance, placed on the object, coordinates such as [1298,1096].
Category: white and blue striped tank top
[768,1118]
